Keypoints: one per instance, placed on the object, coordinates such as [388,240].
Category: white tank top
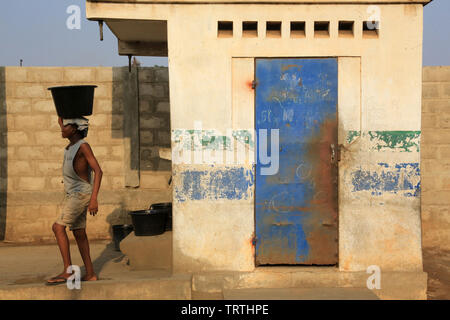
[72,182]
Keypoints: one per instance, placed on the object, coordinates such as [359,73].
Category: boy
[80,196]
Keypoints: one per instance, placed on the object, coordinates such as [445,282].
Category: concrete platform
[148,252]
[300,294]
[394,285]
[24,269]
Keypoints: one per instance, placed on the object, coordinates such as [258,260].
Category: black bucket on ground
[119,233]
[73,101]
[148,222]
[167,208]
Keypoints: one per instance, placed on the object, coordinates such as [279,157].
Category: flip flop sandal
[54,283]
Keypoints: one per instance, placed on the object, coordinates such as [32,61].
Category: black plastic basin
[148,222]
[73,101]
[167,208]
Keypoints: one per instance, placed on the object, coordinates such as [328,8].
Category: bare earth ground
[437,264]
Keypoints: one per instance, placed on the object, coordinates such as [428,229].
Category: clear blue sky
[35,31]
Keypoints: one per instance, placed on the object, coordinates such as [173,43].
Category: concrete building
[335,86]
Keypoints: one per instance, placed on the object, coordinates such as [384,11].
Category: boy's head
[75,126]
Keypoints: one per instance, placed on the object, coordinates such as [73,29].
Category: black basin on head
[73,101]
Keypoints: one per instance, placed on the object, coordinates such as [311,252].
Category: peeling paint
[211,139]
[401,178]
[226,183]
[402,141]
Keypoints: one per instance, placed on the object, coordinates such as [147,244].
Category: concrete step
[175,287]
[394,285]
[148,252]
[300,294]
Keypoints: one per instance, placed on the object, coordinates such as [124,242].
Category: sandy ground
[437,264]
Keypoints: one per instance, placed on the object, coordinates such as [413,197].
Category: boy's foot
[62,278]
[92,277]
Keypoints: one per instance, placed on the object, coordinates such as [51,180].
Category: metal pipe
[100,25]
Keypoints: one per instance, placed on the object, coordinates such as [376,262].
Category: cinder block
[104,74]
[16,74]
[429,183]
[164,137]
[23,212]
[46,168]
[145,106]
[30,91]
[31,122]
[150,122]
[146,74]
[19,138]
[429,121]
[44,106]
[429,152]
[55,183]
[31,183]
[444,152]
[430,90]
[436,136]
[20,168]
[79,74]
[163,107]
[436,74]
[151,89]
[112,167]
[36,74]
[117,182]
[104,90]
[146,137]
[18,106]
[154,181]
[102,106]
[446,90]
[436,197]
[117,121]
[99,120]
[108,137]
[161,74]
[47,138]
[444,120]
[100,151]
[117,151]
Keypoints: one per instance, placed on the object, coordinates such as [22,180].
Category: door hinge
[254,239]
[254,84]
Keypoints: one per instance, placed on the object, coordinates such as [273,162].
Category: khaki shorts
[74,210]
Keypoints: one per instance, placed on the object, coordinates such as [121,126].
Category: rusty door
[296,208]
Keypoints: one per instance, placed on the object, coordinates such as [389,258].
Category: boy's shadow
[109,253]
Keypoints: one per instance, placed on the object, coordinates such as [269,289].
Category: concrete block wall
[435,155]
[32,149]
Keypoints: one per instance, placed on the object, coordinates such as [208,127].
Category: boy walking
[80,196]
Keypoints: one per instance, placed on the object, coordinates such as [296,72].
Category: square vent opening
[250,29]
[371,29]
[298,29]
[321,29]
[225,29]
[273,29]
[346,29]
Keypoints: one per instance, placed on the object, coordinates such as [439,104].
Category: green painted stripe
[403,141]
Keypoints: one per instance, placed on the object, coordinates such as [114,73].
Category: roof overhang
[266,1]
[139,36]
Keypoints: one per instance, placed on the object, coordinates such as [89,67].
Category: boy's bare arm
[92,161]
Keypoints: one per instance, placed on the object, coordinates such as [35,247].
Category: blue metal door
[296,208]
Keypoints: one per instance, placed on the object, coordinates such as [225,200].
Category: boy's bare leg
[63,244]
[83,246]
